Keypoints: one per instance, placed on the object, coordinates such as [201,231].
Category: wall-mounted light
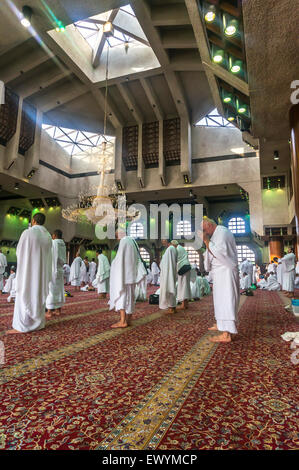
[108,29]
[26,18]
[276,155]
[187,179]
[17,186]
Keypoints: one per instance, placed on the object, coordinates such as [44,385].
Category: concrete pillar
[186,154]
[140,162]
[294,123]
[119,169]
[275,247]
[12,147]
[162,166]
[33,153]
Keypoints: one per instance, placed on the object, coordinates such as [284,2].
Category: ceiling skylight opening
[214,119]
[81,145]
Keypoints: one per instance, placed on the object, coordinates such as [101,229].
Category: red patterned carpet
[159,384]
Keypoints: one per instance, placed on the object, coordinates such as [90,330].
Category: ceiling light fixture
[27,14]
[108,29]
[230,28]
[210,14]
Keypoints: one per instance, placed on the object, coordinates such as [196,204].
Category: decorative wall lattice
[27,132]
[130,147]
[150,144]
[8,116]
[172,141]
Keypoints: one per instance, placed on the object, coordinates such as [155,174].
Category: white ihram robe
[195,285]
[75,272]
[66,273]
[92,271]
[125,274]
[288,277]
[3,264]
[141,288]
[84,276]
[56,296]
[155,273]
[279,271]
[168,276]
[272,283]
[297,276]
[226,293]
[184,291]
[12,294]
[245,282]
[103,275]
[8,284]
[34,254]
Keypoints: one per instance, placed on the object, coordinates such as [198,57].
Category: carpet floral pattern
[159,384]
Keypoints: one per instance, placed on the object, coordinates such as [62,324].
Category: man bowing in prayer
[34,255]
[103,275]
[168,277]
[127,271]
[56,297]
[224,266]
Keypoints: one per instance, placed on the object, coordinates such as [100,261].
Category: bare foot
[48,315]
[13,332]
[171,310]
[213,328]
[223,338]
[181,307]
[119,325]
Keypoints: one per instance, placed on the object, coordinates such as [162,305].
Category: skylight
[126,28]
[214,119]
[76,143]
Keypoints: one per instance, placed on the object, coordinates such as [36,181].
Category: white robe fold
[125,273]
[155,272]
[92,271]
[56,296]
[12,294]
[34,255]
[272,283]
[168,277]
[184,291]
[66,273]
[3,264]
[8,284]
[75,272]
[141,288]
[84,276]
[288,276]
[226,291]
[245,282]
[103,274]
[195,285]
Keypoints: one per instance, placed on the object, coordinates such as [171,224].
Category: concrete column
[33,153]
[119,169]
[186,157]
[140,162]
[12,147]
[275,248]
[162,166]
[294,123]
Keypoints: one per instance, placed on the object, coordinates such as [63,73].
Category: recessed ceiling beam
[152,97]
[130,101]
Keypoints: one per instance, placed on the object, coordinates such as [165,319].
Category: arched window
[136,230]
[237,225]
[183,228]
[245,252]
[145,255]
[192,255]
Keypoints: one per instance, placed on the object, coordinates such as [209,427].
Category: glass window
[192,255]
[245,252]
[237,225]
[183,228]
[213,119]
[145,255]
[136,230]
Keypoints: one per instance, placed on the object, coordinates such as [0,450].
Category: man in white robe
[12,293]
[75,272]
[84,271]
[66,273]
[195,284]
[56,298]
[155,273]
[226,291]
[92,270]
[34,255]
[245,281]
[272,283]
[126,272]
[206,284]
[141,288]
[184,291]
[288,280]
[3,264]
[8,284]
[103,275]
[271,268]
[168,277]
